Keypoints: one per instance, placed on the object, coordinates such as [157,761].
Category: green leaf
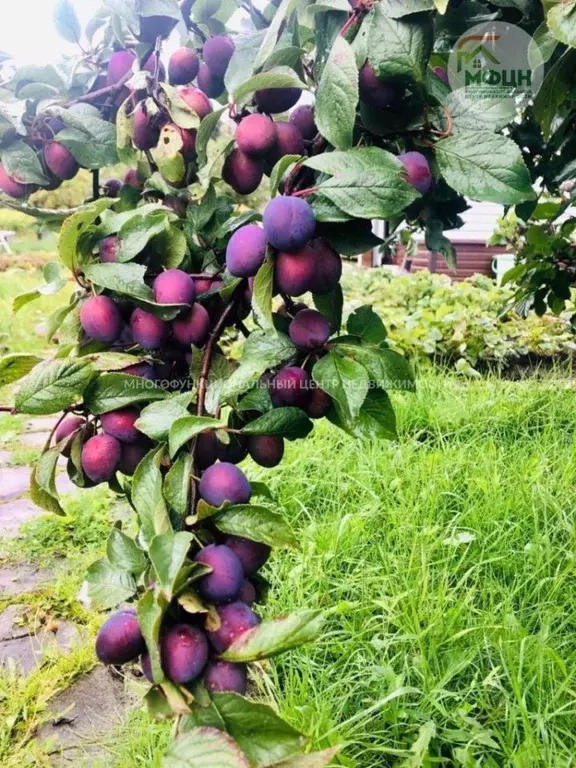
[366,183]
[106,586]
[263,736]
[53,385]
[22,163]
[276,636]
[136,233]
[337,96]
[399,47]
[117,390]
[177,484]
[367,325]
[291,423]
[280,169]
[485,166]
[263,291]
[128,280]
[43,482]
[474,114]
[437,242]
[207,128]
[66,21]
[273,32]
[396,9]
[97,151]
[156,419]
[331,306]
[377,418]
[147,497]
[151,609]
[204,748]
[388,369]
[562,22]
[187,427]
[345,380]
[256,523]
[277,77]
[124,554]
[168,553]
[75,226]
[555,90]
[15,366]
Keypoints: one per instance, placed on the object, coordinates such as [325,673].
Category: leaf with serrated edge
[204,748]
[168,553]
[106,586]
[337,96]
[53,385]
[256,523]
[345,381]
[184,429]
[288,422]
[111,391]
[124,553]
[275,636]
[147,497]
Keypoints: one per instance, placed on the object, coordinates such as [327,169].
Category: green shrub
[14,221]
[466,325]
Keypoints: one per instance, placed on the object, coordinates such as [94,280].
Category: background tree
[165,261]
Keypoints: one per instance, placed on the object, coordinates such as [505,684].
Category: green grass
[448,558]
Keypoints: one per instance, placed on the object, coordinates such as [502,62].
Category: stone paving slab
[33,439]
[14,514]
[91,708]
[22,649]
[65,486]
[14,482]
[20,579]
[42,424]
[5,457]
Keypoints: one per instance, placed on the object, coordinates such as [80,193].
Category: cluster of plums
[189,646]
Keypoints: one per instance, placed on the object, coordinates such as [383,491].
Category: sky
[27,30]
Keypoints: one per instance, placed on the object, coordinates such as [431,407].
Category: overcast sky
[27,30]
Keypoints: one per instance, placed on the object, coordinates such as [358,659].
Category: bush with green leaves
[165,261]
[468,324]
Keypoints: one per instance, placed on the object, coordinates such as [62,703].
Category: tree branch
[109,90]
[209,349]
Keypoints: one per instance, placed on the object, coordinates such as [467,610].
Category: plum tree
[183,66]
[60,161]
[101,457]
[120,424]
[148,330]
[242,172]
[224,676]
[225,580]
[266,450]
[252,554]
[224,482]
[235,619]
[417,170]
[246,251]
[184,652]
[174,287]
[120,639]
[302,118]
[101,319]
[182,319]
[290,387]
[289,223]
[193,327]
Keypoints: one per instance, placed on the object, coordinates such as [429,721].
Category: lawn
[447,562]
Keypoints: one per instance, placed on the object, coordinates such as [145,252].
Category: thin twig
[7,408]
[109,90]
[96,184]
[208,351]
[305,192]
